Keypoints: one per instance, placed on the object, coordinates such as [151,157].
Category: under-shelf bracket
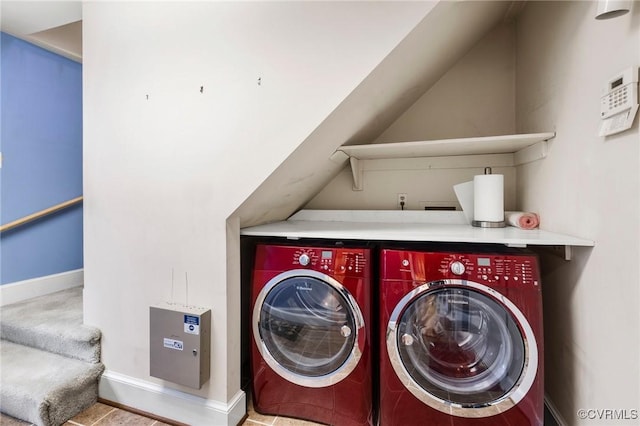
[568,254]
[514,245]
[357,172]
[563,251]
[531,153]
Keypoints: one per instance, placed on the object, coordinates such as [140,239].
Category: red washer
[461,339]
[311,355]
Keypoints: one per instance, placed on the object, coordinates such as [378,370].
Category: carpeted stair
[49,360]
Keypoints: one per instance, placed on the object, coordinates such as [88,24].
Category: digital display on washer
[484,261]
[326,254]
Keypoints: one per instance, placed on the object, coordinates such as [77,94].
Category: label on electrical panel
[192,324]
[173,344]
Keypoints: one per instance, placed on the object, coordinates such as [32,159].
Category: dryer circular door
[462,348]
[308,328]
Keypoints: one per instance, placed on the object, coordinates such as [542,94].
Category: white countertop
[390,225]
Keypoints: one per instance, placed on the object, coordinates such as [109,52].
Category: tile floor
[105,415]
[257,419]
[99,414]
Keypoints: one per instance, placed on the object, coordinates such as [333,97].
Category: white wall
[426,181]
[475,97]
[588,186]
[165,165]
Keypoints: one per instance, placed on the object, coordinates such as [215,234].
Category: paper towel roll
[464,193]
[523,220]
[488,198]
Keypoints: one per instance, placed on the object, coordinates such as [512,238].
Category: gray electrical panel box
[180,342]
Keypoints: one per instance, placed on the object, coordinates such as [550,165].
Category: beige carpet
[49,360]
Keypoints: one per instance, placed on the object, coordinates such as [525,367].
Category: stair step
[54,323]
[45,388]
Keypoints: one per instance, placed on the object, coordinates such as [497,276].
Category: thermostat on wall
[179,343]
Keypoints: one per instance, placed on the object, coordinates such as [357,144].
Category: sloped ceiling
[446,33]
[52,25]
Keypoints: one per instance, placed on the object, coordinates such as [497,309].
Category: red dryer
[461,339]
[311,354]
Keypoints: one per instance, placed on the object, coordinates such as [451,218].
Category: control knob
[304,259]
[457,267]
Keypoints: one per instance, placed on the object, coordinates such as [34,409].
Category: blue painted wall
[41,144]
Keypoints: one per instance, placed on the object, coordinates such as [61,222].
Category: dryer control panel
[490,269]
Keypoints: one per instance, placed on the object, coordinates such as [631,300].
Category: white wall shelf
[407,225]
[525,147]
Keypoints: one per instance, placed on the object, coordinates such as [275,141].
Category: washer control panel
[340,261]
[330,260]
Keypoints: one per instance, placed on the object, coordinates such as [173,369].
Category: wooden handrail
[40,214]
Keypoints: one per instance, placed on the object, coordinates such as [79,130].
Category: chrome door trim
[511,398]
[356,352]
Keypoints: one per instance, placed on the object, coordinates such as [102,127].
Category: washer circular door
[308,328]
[462,348]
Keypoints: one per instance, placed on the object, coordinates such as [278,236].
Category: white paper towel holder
[486,223]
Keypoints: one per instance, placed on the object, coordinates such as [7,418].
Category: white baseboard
[554,411]
[27,289]
[170,403]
